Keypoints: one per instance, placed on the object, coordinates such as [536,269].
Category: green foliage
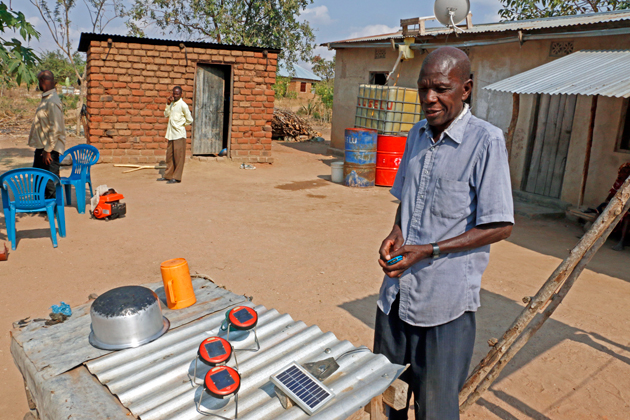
[59,64]
[17,62]
[324,68]
[260,23]
[69,101]
[324,90]
[533,9]
[320,107]
[281,86]
[308,109]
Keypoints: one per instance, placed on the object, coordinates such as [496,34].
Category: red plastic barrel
[389,152]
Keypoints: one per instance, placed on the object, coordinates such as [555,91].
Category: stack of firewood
[290,126]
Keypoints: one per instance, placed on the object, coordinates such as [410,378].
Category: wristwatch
[436,250]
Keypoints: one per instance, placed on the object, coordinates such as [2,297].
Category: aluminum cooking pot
[125,317]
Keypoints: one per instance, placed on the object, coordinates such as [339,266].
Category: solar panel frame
[302,388]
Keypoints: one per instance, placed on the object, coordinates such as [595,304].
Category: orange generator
[109,206]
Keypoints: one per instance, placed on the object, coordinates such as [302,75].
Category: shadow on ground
[16,157]
[316,148]
[490,325]
[542,236]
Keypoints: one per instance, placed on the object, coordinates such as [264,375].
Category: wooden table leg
[376,408]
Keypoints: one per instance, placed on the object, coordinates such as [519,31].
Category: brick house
[302,80]
[227,87]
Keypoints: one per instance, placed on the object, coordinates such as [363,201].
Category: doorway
[212,106]
[549,145]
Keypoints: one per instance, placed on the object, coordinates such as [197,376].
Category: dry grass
[17,108]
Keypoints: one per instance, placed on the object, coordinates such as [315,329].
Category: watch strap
[436,250]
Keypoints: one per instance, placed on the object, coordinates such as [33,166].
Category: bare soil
[287,236]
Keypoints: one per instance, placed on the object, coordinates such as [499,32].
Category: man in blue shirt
[455,200]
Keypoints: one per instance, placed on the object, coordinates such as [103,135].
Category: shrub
[280,87]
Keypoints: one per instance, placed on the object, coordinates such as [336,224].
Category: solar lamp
[213,351]
[221,382]
[242,318]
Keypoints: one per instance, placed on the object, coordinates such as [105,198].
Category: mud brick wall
[127,89]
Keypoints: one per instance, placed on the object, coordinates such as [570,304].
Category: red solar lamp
[221,382]
[213,351]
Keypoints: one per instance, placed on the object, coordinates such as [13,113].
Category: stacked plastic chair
[83,157]
[28,187]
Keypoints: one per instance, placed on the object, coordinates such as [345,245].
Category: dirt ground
[286,235]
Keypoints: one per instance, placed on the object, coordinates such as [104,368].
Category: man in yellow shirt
[48,132]
[178,116]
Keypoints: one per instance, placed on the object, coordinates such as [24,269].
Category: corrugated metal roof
[299,73]
[517,25]
[86,37]
[605,73]
[152,381]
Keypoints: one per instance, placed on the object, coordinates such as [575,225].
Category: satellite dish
[451,12]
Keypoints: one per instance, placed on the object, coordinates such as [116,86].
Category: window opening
[378,77]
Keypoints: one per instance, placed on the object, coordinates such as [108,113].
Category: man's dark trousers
[38,162]
[439,357]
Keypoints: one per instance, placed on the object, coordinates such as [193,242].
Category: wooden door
[209,110]
[548,153]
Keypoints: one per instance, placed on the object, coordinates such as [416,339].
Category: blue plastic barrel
[359,168]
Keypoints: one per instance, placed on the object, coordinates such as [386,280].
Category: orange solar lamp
[177,284]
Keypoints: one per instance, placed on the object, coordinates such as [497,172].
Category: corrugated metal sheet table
[152,381]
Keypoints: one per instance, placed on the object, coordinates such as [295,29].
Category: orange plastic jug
[177,284]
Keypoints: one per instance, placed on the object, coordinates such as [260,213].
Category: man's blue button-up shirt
[446,188]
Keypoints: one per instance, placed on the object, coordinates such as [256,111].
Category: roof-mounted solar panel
[302,388]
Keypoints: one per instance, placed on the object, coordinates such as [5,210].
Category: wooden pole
[516,103]
[589,146]
[596,235]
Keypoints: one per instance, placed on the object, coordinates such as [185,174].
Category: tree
[324,68]
[259,23]
[532,9]
[57,62]
[16,60]
[56,15]
[325,92]
[281,86]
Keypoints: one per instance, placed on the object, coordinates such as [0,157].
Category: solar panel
[215,348]
[302,388]
[243,315]
[222,379]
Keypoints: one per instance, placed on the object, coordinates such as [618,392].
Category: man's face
[41,82]
[442,93]
[177,94]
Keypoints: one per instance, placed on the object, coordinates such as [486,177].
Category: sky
[332,20]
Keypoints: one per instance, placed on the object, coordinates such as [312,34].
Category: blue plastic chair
[28,186]
[83,157]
